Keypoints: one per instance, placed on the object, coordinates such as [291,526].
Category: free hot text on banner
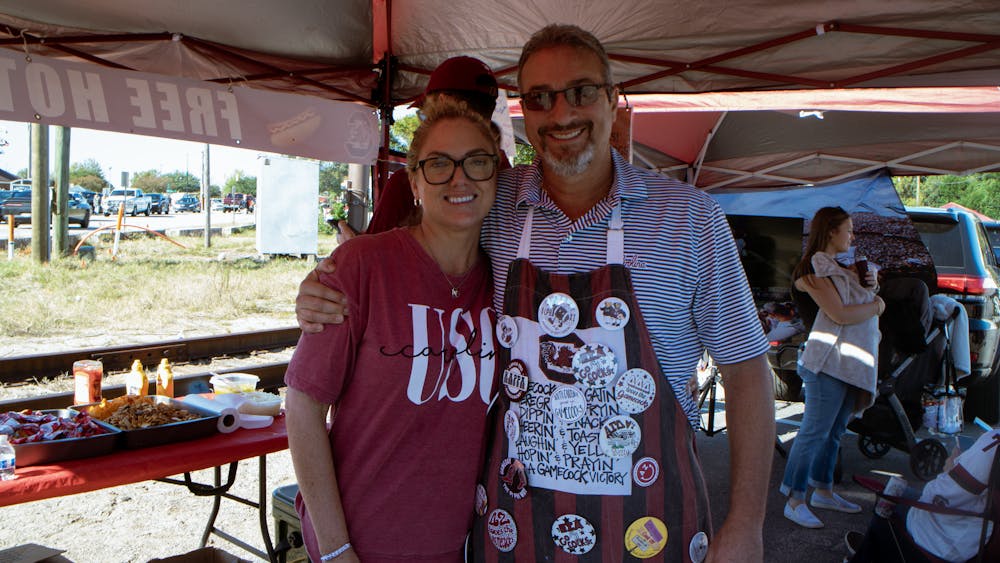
[51,91]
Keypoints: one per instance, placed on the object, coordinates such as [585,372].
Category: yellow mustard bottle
[165,379]
[136,382]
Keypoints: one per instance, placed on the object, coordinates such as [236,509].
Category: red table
[132,466]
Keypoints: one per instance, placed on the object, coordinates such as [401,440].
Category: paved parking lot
[785,542]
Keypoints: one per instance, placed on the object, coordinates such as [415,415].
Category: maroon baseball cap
[464,75]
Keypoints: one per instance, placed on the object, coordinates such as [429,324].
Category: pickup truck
[234,202]
[133,199]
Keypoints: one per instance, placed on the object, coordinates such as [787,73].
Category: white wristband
[336,553]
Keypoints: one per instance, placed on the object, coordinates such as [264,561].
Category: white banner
[55,92]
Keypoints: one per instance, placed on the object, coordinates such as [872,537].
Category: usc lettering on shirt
[449,360]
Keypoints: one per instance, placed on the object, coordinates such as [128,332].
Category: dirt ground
[135,523]
[139,522]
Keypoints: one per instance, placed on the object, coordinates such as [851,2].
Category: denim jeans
[828,407]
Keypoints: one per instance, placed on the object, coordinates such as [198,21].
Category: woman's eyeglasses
[576,96]
[440,169]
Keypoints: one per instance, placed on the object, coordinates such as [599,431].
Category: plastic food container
[234,383]
[51,451]
[181,430]
[259,402]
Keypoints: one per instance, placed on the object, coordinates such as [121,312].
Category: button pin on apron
[574,534]
[558,314]
[635,390]
[620,436]
[513,479]
[512,426]
[506,331]
[502,530]
[645,472]
[595,365]
[482,502]
[515,380]
[698,548]
[646,537]
[612,313]
[568,404]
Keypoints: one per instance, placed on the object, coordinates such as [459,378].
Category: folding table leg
[216,501]
[262,507]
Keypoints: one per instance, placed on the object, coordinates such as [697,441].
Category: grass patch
[153,287]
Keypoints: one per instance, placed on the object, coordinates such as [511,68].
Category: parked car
[18,204]
[132,199]
[993,232]
[187,203]
[967,271]
[159,203]
[87,195]
[217,205]
[233,202]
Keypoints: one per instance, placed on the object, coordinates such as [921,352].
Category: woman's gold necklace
[455,288]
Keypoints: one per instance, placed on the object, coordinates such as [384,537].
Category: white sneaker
[802,516]
[834,502]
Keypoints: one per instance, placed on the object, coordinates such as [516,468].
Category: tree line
[980,192]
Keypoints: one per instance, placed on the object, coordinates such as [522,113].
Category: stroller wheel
[871,447]
[928,458]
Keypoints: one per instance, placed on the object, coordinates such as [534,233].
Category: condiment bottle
[136,382]
[87,374]
[165,379]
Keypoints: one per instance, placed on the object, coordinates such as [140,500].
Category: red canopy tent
[378,53]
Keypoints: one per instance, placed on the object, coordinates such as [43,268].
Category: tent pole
[704,150]
[382,46]
[381,172]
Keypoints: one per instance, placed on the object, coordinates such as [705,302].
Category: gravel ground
[135,523]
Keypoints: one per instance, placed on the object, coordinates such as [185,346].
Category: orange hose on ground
[116,227]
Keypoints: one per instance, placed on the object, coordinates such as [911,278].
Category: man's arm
[317,304]
[750,425]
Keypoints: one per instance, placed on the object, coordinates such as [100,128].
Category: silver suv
[967,271]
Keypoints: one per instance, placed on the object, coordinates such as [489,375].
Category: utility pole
[206,190]
[60,234]
[40,210]
[918,190]
[357,196]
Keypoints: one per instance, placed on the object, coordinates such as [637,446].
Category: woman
[838,367]
[408,377]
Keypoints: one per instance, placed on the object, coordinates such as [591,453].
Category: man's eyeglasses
[576,96]
[441,169]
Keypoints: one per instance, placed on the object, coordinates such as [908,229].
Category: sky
[116,152]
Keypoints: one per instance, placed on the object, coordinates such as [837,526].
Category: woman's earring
[416,202]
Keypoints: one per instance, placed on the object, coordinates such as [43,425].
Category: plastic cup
[894,487]
[861,266]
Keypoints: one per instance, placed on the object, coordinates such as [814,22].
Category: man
[566,227]
[462,78]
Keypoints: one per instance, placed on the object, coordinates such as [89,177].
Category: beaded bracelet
[336,553]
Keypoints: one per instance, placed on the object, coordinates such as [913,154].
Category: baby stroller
[914,359]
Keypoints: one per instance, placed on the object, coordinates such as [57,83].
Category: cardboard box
[32,553]
[203,555]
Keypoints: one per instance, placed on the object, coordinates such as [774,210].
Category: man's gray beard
[571,166]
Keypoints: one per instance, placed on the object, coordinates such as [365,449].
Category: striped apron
[590,457]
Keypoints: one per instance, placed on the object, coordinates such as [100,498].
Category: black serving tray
[181,431]
[51,451]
